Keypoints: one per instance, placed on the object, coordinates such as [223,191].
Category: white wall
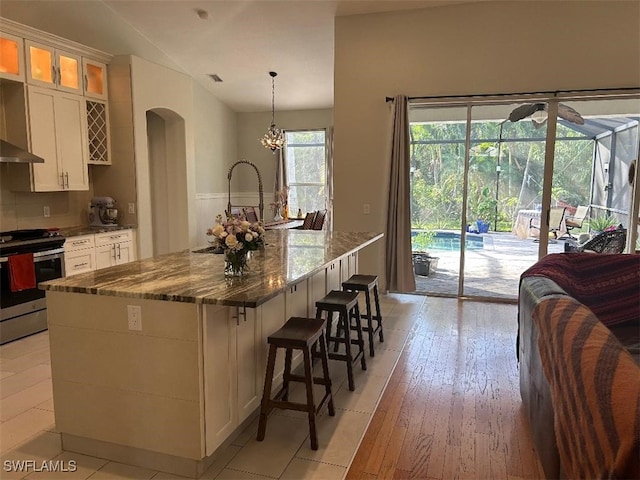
[216,147]
[244,184]
[252,126]
[155,87]
[495,47]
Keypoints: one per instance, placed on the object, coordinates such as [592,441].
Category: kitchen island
[160,361]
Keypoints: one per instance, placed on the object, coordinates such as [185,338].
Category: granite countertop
[288,257]
[87,230]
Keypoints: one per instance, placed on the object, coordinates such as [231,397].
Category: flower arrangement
[236,237]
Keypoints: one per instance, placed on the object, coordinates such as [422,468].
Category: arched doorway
[167,181]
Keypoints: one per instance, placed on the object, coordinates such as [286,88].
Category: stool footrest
[301,379]
[288,405]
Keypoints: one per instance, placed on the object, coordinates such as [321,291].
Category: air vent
[215,77]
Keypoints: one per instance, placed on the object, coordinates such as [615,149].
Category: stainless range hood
[13,154]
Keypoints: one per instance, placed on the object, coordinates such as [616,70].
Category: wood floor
[452,407]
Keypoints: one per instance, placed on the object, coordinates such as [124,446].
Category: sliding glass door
[496,186]
[438,154]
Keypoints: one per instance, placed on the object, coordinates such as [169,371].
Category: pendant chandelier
[274,138]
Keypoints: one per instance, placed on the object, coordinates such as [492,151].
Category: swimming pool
[449,241]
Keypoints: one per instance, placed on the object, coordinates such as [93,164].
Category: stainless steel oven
[24,312]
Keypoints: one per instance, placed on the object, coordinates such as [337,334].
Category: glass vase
[235,263]
[277,217]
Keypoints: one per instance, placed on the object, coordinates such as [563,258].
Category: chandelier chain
[274,138]
[273,100]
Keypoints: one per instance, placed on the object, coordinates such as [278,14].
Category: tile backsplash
[20,210]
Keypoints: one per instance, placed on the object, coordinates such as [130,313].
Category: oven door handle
[42,256]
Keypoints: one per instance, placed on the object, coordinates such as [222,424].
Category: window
[306,165]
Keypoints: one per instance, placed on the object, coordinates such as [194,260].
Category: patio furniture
[521,227]
[556,222]
[576,220]
[612,241]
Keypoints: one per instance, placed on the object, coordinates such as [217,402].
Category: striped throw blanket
[608,284]
[595,390]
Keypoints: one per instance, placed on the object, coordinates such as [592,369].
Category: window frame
[325,183]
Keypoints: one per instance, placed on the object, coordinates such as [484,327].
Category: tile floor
[27,424]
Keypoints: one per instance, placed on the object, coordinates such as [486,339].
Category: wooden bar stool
[297,334]
[368,284]
[346,304]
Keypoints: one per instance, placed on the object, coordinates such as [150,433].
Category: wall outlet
[134,314]
[366,209]
[132,208]
[46,212]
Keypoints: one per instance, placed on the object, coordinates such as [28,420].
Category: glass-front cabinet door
[48,67]
[95,79]
[11,57]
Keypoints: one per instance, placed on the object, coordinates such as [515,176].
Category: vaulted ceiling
[238,40]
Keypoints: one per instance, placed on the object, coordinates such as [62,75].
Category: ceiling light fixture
[274,138]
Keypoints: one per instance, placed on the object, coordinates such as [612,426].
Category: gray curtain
[399,265]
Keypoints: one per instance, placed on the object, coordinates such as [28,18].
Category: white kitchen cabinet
[296,302]
[57,123]
[272,319]
[114,248]
[79,255]
[333,276]
[249,360]
[348,267]
[98,133]
[50,67]
[94,76]
[11,57]
[86,253]
[317,290]
[232,370]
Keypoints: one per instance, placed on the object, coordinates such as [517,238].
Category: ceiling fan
[564,111]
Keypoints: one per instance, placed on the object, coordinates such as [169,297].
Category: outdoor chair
[556,217]
[576,220]
[612,241]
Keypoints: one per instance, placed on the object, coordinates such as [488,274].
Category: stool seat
[356,281]
[297,334]
[337,299]
[346,305]
[368,284]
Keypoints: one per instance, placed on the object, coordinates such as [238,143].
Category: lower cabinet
[113,248]
[232,370]
[79,255]
[87,253]
[333,276]
[235,351]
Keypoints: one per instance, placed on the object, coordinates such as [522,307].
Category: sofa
[578,351]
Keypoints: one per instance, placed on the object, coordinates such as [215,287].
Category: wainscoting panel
[208,205]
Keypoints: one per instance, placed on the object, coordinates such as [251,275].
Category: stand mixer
[103,212]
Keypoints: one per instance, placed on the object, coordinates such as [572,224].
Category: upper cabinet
[57,103]
[58,123]
[53,68]
[11,57]
[94,76]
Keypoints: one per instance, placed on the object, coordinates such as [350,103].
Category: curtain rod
[515,94]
